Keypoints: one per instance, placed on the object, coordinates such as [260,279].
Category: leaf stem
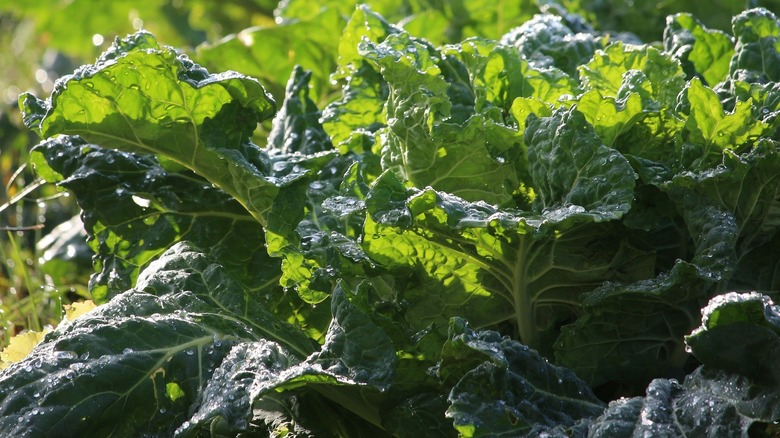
[524,310]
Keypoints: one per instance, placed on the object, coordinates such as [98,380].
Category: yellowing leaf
[73,311]
[19,347]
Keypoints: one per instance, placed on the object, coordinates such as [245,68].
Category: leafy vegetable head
[471,238]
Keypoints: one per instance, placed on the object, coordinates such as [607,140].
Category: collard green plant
[516,235]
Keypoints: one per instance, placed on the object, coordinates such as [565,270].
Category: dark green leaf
[740,333]
[709,403]
[296,127]
[631,333]
[511,389]
[756,57]
[547,41]
[573,171]
[134,210]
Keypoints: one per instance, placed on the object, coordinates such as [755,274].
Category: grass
[32,287]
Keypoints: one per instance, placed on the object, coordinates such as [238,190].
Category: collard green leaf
[108,372]
[355,352]
[610,117]
[745,188]
[508,266]
[740,333]
[651,140]
[765,99]
[322,248]
[143,99]
[709,129]
[185,267]
[433,139]
[631,333]
[611,70]
[499,74]
[134,209]
[135,365]
[756,57]
[703,52]
[363,25]
[193,350]
[546,40]
[573,171]
[508,388]
[709,403]
[360,111]
[604,344]
[296,127]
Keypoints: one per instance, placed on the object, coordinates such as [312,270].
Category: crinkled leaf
[499,74]
[508,388]
[572,169]
[355,352]
[610,117]
[703,52]
[709,403]
[360,109]
[185,267]
[523,107]
[546,40]
[364,25]
[744,187]
[651,142]
[496,265]
[134,209]
[739,333]
[765,99]
[144,99]
[709,129]
[106,373]
[611,68]
[605,344]
[323,248]
[112,369]
[631,333]
[756,57]
[175,356]
[433,139]
[296,127]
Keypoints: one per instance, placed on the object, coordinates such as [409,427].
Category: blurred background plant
[44,260]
